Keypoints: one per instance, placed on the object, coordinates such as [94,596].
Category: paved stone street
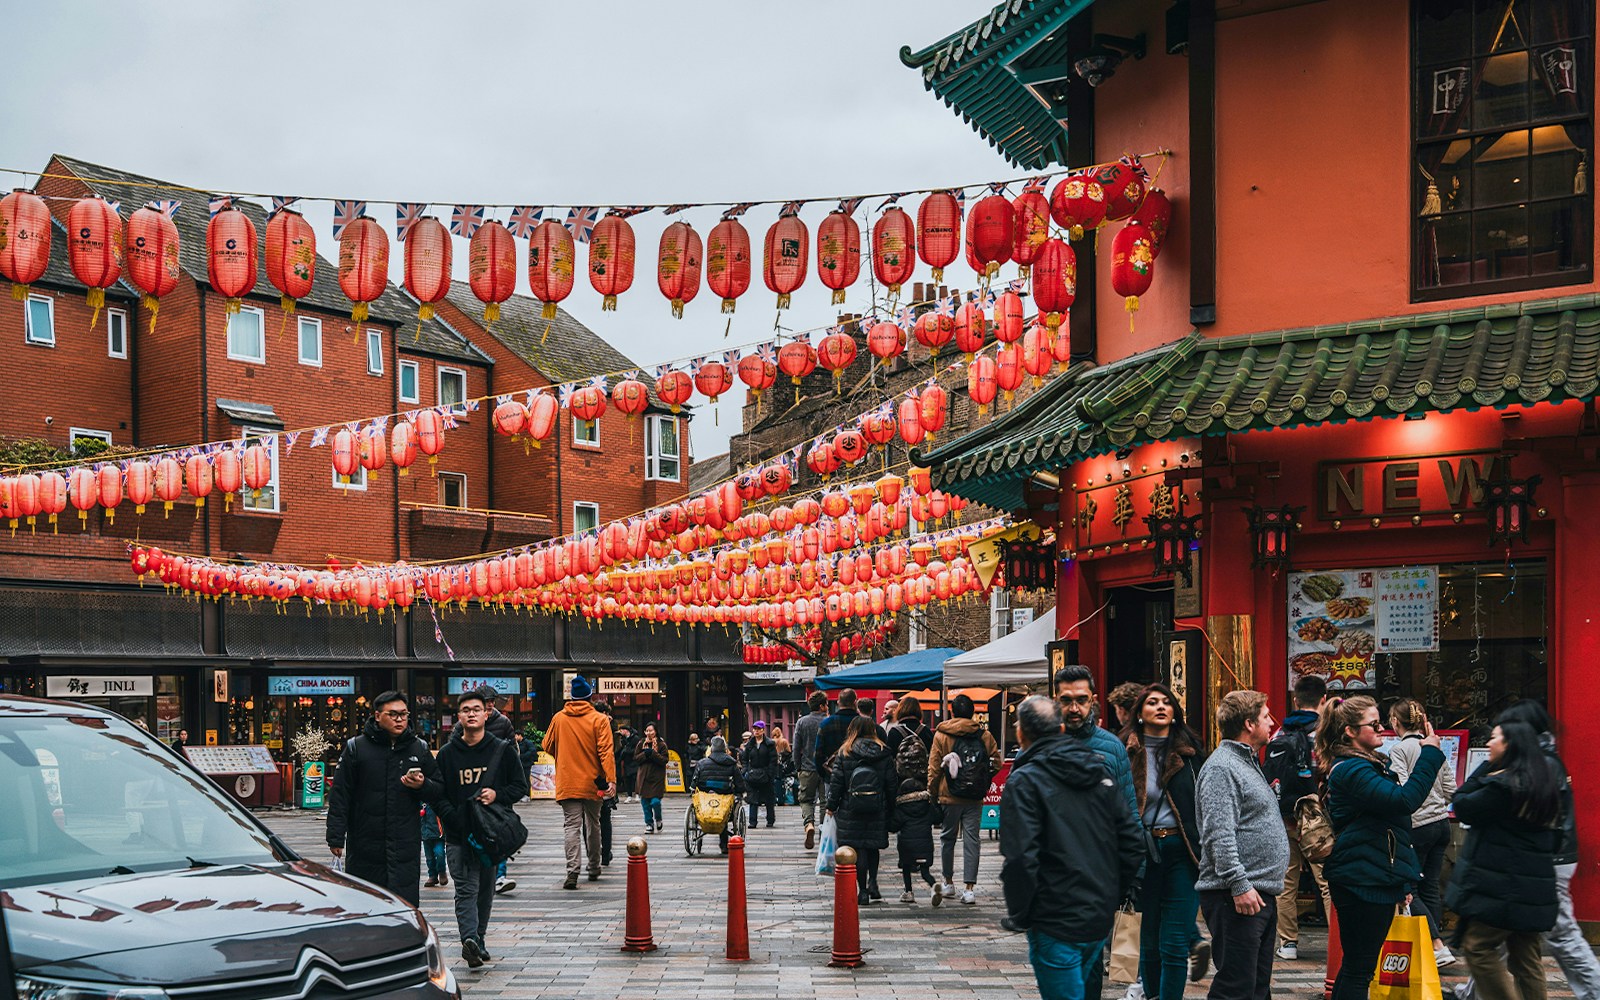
[548,942]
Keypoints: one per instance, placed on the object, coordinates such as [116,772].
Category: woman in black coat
[861,794]
[1504,885]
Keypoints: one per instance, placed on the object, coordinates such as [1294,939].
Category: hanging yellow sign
[986,553]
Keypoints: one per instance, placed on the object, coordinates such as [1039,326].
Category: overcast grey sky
[503,102]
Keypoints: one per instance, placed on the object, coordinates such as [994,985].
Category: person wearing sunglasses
[384,777]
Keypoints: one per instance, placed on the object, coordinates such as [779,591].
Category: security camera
[1105,55]
[49,420]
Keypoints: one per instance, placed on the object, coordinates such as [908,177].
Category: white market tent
[1010,661]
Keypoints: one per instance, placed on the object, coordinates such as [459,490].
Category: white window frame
[416,382]
[652,460]
[358,482]
[374,338]
[112,316]
[27,321]
[459,409]
[453,477]
[261,317]
[585,505]
[269,438]
[74,433]
[300,328]
[582,442]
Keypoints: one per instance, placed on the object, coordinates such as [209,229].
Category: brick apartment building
[71,610]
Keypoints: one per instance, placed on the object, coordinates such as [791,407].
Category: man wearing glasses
[384,776]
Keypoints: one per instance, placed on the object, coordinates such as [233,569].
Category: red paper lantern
[611,253]
[542,414]
[921,484]
[1055,282]
[255,467]
[878,427]
[674,388]
[229,475]
[1124,185]
[821,460]
[291,256]
[198,476]
[403,443]
[971,329]
[728,262]
[838,253]
[989,232]
[371,450]
[1155,214]
[345,459]
[885,341]
[94,248]
[1030,227]
[850,446]
[1008,371]
[1078,204]
[935,404]
[678,265]
[430,434]
[757,373]
[797,359]
[1037,356]
[1133,262]
[231,256]
[552,265]
[712,379]
[83,492]
[894,249]
[836,353]
[981,382]
[587,404]
[934,330]
[939,223]
[784,255]
[631,397]
[363,264]
[492,270]
[427,260]
[52,496]
[152,257]
[1008,318]
[909,422]
[510,418]
[167,483]
[25,499]
[775,479]
[24,240]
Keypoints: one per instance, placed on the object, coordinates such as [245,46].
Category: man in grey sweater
[1244,850]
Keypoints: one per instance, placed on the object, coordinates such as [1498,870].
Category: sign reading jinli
[318,685]
[82,686]
[629,685]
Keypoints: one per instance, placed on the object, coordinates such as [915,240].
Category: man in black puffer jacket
[384,776]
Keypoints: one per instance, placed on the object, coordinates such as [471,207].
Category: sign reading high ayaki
[1425,484]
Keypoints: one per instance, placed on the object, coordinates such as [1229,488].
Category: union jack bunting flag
[411,415]
[166,206]
[282,201]
[696,365]
[961,198]
[849,205]
[893,199]
[465,219]
[291,438]
[675,209]
[626,211]
[524,219]
[1137,165]
[998,187]
[319,437]
[989,300]
[659,372]
[406,215]
[791,208]
[473,404]
[499,400]
[449,418]
[768,352]
[731,359]
[116,206]
[215,205]
[580,223]
[353,426]
[738,210]
[946,309]
[528,397]
[346,212]
[564,394]
[381,423]
[1036,184]
[1018,285]
[598,382]
[905,318]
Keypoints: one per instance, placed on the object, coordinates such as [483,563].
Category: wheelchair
[719,814]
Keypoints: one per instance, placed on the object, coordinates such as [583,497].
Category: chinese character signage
[317,685]
[501,685]
[1408,609]
[86,686]
[1331,630]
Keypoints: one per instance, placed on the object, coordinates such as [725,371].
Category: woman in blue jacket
[1373,867]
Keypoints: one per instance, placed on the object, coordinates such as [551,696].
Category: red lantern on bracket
[989,232]
[552,264]
[363,264]
[678,265]
[935,403]
[94,248]
[797,359]
[934,331]
[838,253]
[894,249]
[52,496]
[291,256]
[371,450]
[728,262]
[785,253]
[510,418]
[1008,371]
[1078,204]
[427,261]
[231,256]
[886,341]
[757,373]
[1030,227]
[878,427]
[167,483]
[1124,185]
[492,269]
[255,467]
[152,257]
[982,383]
[25,249]
[674,388]
[631,397]
[712,379]
[229,475]
[939,223]
[611,255]
[836,353]
[345,459]
[1055,282]
[1133,262]
[1155,214]
[1008,318]
[971,329]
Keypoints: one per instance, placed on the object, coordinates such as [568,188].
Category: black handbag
[494,830]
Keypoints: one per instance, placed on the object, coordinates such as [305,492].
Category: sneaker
[938,893]
[430,883]
[1442,956]
[1135,992]
[1199,960]
[907,897]
[811,837]
[571,882]
[470,952]
[504,884]
[649,829]
[1289,951]
[969,897]
[949,890]
[659,826]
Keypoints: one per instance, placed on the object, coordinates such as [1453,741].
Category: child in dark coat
[914,816]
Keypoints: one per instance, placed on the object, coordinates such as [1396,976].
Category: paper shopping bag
[1406,970]
[1125,947]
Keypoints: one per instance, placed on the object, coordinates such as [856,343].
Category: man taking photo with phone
[384,776]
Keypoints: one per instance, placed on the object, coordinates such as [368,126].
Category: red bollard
[636,927]
[846,916]
[1335,956]
[738,925]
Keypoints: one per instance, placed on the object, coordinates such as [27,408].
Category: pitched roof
[58,272]
[192,219]
[1511,354]
[708,472]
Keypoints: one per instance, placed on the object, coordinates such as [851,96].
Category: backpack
[972,777]
[865,789]
[495,832]
[911,760]
[1316,829]
[1288,769]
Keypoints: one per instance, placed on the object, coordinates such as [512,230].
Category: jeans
[1519,974]
[1363,927]
[1289,899]
[1061,967]
[961,821]
[474,891]
[1167,904]
[1241,946]
[652,812]
[580,827]
[807,784]
[438,862]
[1566,943]
[1430,840]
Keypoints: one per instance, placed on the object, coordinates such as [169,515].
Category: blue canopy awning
[924,668]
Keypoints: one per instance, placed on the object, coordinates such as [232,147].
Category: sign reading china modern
[86,686]
[629,685]
[311,685]
[1434,484]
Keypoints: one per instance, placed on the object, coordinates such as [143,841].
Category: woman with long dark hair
[1504,886]
[1373,867]
[1165,756]
[861,793]
[1430,824]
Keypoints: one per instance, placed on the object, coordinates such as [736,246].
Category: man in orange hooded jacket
[579,738]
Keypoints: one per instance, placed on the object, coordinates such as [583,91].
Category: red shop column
[1574,697]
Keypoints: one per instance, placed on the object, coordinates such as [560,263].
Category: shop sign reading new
[82,686]
[317,685]
[1434,484]
[629,685]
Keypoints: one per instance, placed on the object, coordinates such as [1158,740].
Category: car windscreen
[86,796]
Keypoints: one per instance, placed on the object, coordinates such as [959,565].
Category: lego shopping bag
[1406,970]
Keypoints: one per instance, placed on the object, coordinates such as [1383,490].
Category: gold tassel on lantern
[609,304]
[838,296]
[19,292]
[728,306]
[359,313]
[677,309]
[1132,305]
[425,311]
[783,301]
[96,300]
[230,306]
[549,310]
[491,313]
[154,305]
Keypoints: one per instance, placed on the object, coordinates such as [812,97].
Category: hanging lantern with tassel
[939,224]
[712,378]
[1155,214]
[728,262]
[678,265]
[982,383]
[757,373]
[94,248]
[1078,204]
[989,233]
[934,330]
[797,359]
[838,253]
[836,353]
[1133,262]
[199,478]
[971,329]
[935,408]
[492,268]
[1055,283]
[231,256]
[1030,226]
[1008,371]
[886,341]
[894,249]
[1124,185]
[24,240]
[363,265]
[1037,358]
[152,257]
[611,253]
[674,388]
[427,264]
[291,257]
[785,254]
[552,265]
[1008,317]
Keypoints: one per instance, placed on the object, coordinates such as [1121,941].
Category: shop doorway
[1138,632]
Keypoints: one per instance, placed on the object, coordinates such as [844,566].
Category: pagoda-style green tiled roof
[1514,354]
[980,72]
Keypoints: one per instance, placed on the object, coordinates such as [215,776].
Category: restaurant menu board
[1408,609]
[542,777]
[1332,627]
[232,759]
[1454,744]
